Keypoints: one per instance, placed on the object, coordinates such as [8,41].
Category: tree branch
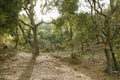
[113,8]
[24,23]
[117,30]
[24,36]
[41,22]
[94,7]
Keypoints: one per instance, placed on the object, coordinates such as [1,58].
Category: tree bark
[16,38]
[106,44]
[113,57]
[82,47]
[71,34]
[109,65]
[35,48]
[16,41]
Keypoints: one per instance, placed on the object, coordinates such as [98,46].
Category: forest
[59,39]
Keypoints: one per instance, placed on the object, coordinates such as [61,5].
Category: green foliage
[59,22]
[69,6]
[74,55]
[9,10]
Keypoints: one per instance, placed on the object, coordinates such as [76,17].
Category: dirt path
[92,66]
[46,67]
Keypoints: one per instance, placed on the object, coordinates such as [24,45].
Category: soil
[54,66]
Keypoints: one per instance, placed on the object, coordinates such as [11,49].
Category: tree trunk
[113,57]
[27,40]
[82,47]
[16,37]
[16,41]
[71,34]
[35,48]
[78,49]
[109,65]
[107,27]
[106,44]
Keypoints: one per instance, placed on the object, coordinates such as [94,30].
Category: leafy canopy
[9,10]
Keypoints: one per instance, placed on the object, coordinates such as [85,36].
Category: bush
[74,55]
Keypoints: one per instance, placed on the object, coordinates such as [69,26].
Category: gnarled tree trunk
[106,44]
[35,48]
[113,57]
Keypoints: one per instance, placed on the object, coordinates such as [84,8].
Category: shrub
[74,55]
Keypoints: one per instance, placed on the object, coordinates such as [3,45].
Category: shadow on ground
[28,70]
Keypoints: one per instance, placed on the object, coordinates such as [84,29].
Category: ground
[54,66]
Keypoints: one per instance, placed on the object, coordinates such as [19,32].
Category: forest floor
[54,66]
